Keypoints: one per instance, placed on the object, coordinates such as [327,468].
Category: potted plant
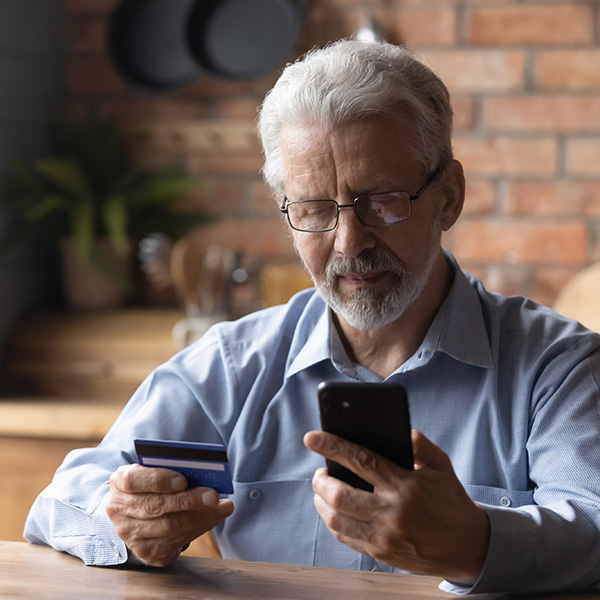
[95,200]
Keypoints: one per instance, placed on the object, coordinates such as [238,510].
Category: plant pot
[87,287]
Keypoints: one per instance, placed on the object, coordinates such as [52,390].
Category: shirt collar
[458,330]
[312,337]
[461,328]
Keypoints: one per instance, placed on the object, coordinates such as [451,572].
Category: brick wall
[525,81]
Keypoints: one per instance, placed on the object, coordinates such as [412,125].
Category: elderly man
[503,393]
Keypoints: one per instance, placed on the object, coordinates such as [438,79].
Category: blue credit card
[204,465]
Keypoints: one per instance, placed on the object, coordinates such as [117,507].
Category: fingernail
[317,441]
[210,498]
[178,483]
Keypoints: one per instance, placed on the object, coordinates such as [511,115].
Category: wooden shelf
[87,355]
[51,418]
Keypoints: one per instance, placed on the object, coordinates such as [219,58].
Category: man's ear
[453,195]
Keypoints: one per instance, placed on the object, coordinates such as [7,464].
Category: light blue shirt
[506,387]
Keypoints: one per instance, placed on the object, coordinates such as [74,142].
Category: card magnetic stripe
[181,452]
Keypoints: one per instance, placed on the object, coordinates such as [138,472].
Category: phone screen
[373,415]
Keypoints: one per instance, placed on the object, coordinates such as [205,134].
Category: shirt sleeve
[70,514]
[85,531]
[554,544]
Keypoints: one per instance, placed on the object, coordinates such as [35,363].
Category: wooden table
[35,572]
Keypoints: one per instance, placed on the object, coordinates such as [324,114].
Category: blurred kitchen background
[525,82]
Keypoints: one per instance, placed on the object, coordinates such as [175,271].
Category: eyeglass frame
[411,197]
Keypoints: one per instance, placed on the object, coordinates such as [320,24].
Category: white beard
[368,308]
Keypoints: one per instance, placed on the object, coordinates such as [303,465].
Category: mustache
[371,260]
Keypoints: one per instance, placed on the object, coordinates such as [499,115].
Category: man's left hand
[421,520]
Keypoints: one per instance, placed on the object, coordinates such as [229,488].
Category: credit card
[204,465]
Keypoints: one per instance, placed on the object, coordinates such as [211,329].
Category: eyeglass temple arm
[432,177]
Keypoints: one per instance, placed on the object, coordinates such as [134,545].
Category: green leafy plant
[89,190]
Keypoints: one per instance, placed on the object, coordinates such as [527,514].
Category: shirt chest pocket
[495,496]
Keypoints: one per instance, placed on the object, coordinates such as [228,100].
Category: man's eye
[377,207]
[317,208]
[381,204]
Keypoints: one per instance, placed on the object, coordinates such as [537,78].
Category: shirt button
[255,494]
[505,501]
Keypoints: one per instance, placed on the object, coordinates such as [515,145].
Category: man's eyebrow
[375,186]
[379,186]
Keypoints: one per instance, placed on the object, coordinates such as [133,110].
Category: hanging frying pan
[244,39]
[148,45]
[162,45]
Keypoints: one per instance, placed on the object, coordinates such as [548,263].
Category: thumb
[427,454]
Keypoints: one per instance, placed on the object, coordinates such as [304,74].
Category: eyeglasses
[376,210]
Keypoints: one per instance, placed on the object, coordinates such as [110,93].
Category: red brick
[97,77]
[210,136]
[479,70]
[326,21]
[596,251]
[136,112]
[480,197]
[567,69]
[142,143]
[530,24]
[424,26]
[384,3]
[464,113]
[568,198]
[508,279]
[507,155]
[542,113]
[215,163]
[239,108]
[212,87]
[515,242]
[583,156]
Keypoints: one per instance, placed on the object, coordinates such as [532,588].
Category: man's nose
[351,236]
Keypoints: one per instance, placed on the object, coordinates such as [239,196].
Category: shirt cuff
[109,548]
[507,563]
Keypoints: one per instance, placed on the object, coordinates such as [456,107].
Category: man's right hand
[156,515]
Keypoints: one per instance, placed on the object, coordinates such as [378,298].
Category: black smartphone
[374,415]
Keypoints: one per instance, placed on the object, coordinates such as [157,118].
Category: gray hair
[350,80]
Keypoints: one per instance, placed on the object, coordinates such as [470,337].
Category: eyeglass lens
[373,211]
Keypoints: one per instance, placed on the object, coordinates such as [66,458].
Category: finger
[427,454]
[168,526]
[134,479]
[372,467]
[345,499]
[155,556]
[171,525]
[353,532]
[153,505]
[153,537]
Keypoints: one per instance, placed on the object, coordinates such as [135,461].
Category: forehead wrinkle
[356,158]
[309,161]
